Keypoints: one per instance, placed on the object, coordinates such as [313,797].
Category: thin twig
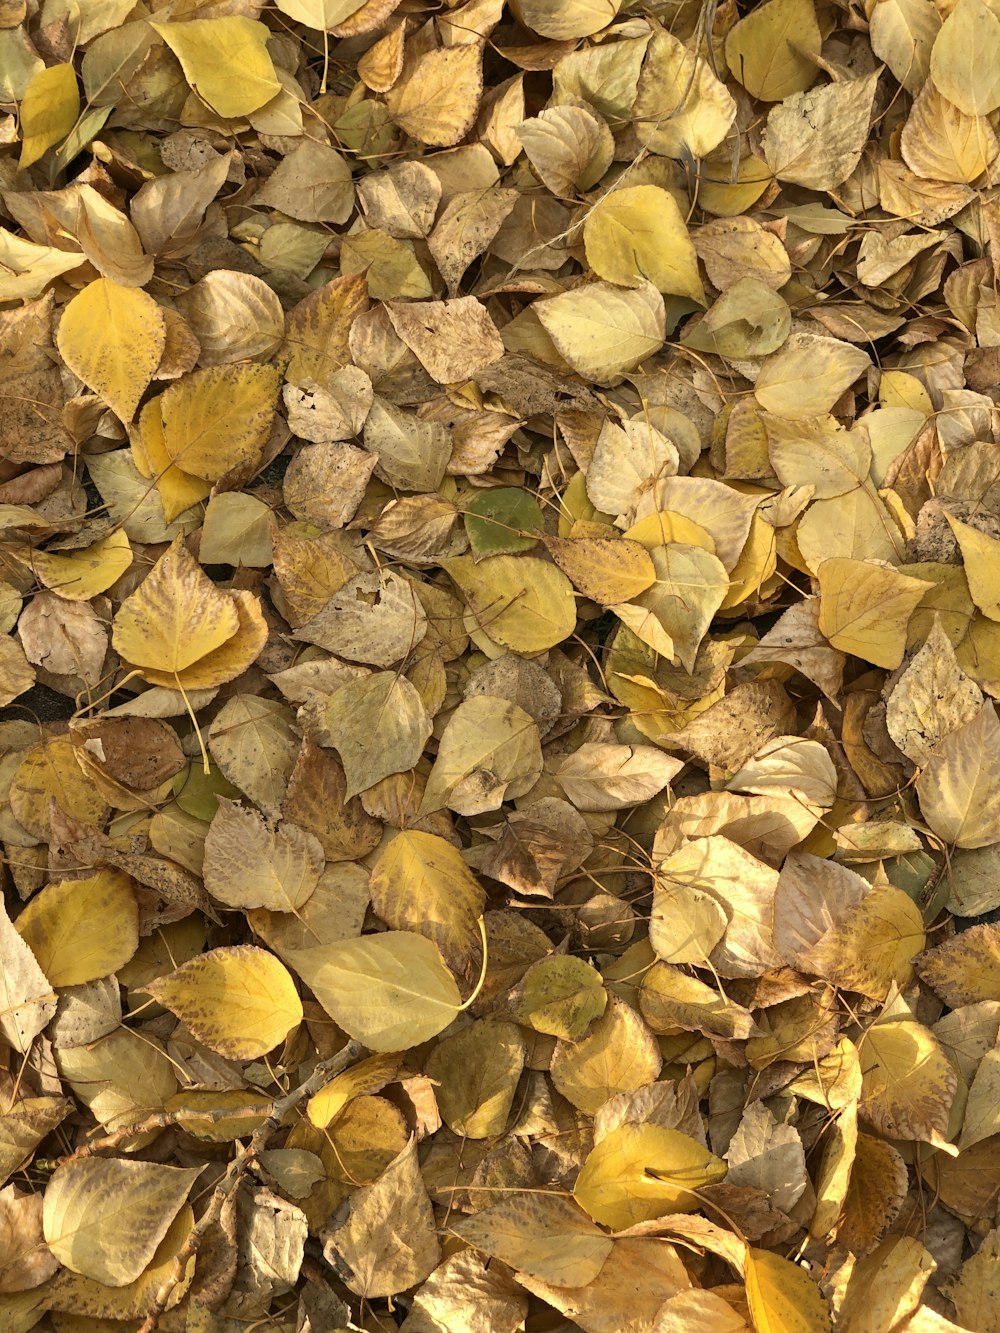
[238,1168]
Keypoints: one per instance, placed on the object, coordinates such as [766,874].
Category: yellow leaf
[476,1072]
[389,1241]
[320,14]
[229,660]
[965,970]
[489,752]
[239,1001]
[572,19]
[816,138]
[177,489]
[27,269]
[225,61]
[618,1054]
[638,1172]
[941,143]
[681,108]
[545,1235]
[886,1286]
[907,1081]
[249,864]
[604,569]
[807,375]
[902,34]
[49,110]
[390,991]
[421,883]
[690,586]
[569,147]
[769,50]
[959,788]
[965,60]
[873,947]
[368,1076]
[782,1297]
[175,617]
[560,996]
[80,575]
[83,1296]
[104,1217]
[82,929]
[437,103]
[981,556]
[113,337]
[864,609]
[318,327]
[602,330]
[219,418]
[522,602]
[639,232]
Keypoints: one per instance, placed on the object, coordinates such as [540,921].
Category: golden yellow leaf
[80,575]
[546,1235]
[577,18]
[219,418]
[174,618]
[239,1001]
[907,1081]
[864,609]
[104,1217]
[816,138]
[959,788]
[81,1296]
[885,1287]
[769,49]
[522,602]
[225,61]
[81,929]
[674,614]
[317,330]
[602,330]
[48,111]
[113,337]
[639,232]
[390,991]
[941,143]
[618,1054]
[368,1076]
[476,1072]
[178,490]
[638,1172]
[981,557]
[681,108]
[489,752]
[902,34]
[604,569]
[965,59]
[320,14]
[421,883]
[389,1242]
[807,375]
[783,1298]
[560,996]
[874,946]
[965,969]
[436,103]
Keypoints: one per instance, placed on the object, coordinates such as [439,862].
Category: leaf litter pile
[500,528]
